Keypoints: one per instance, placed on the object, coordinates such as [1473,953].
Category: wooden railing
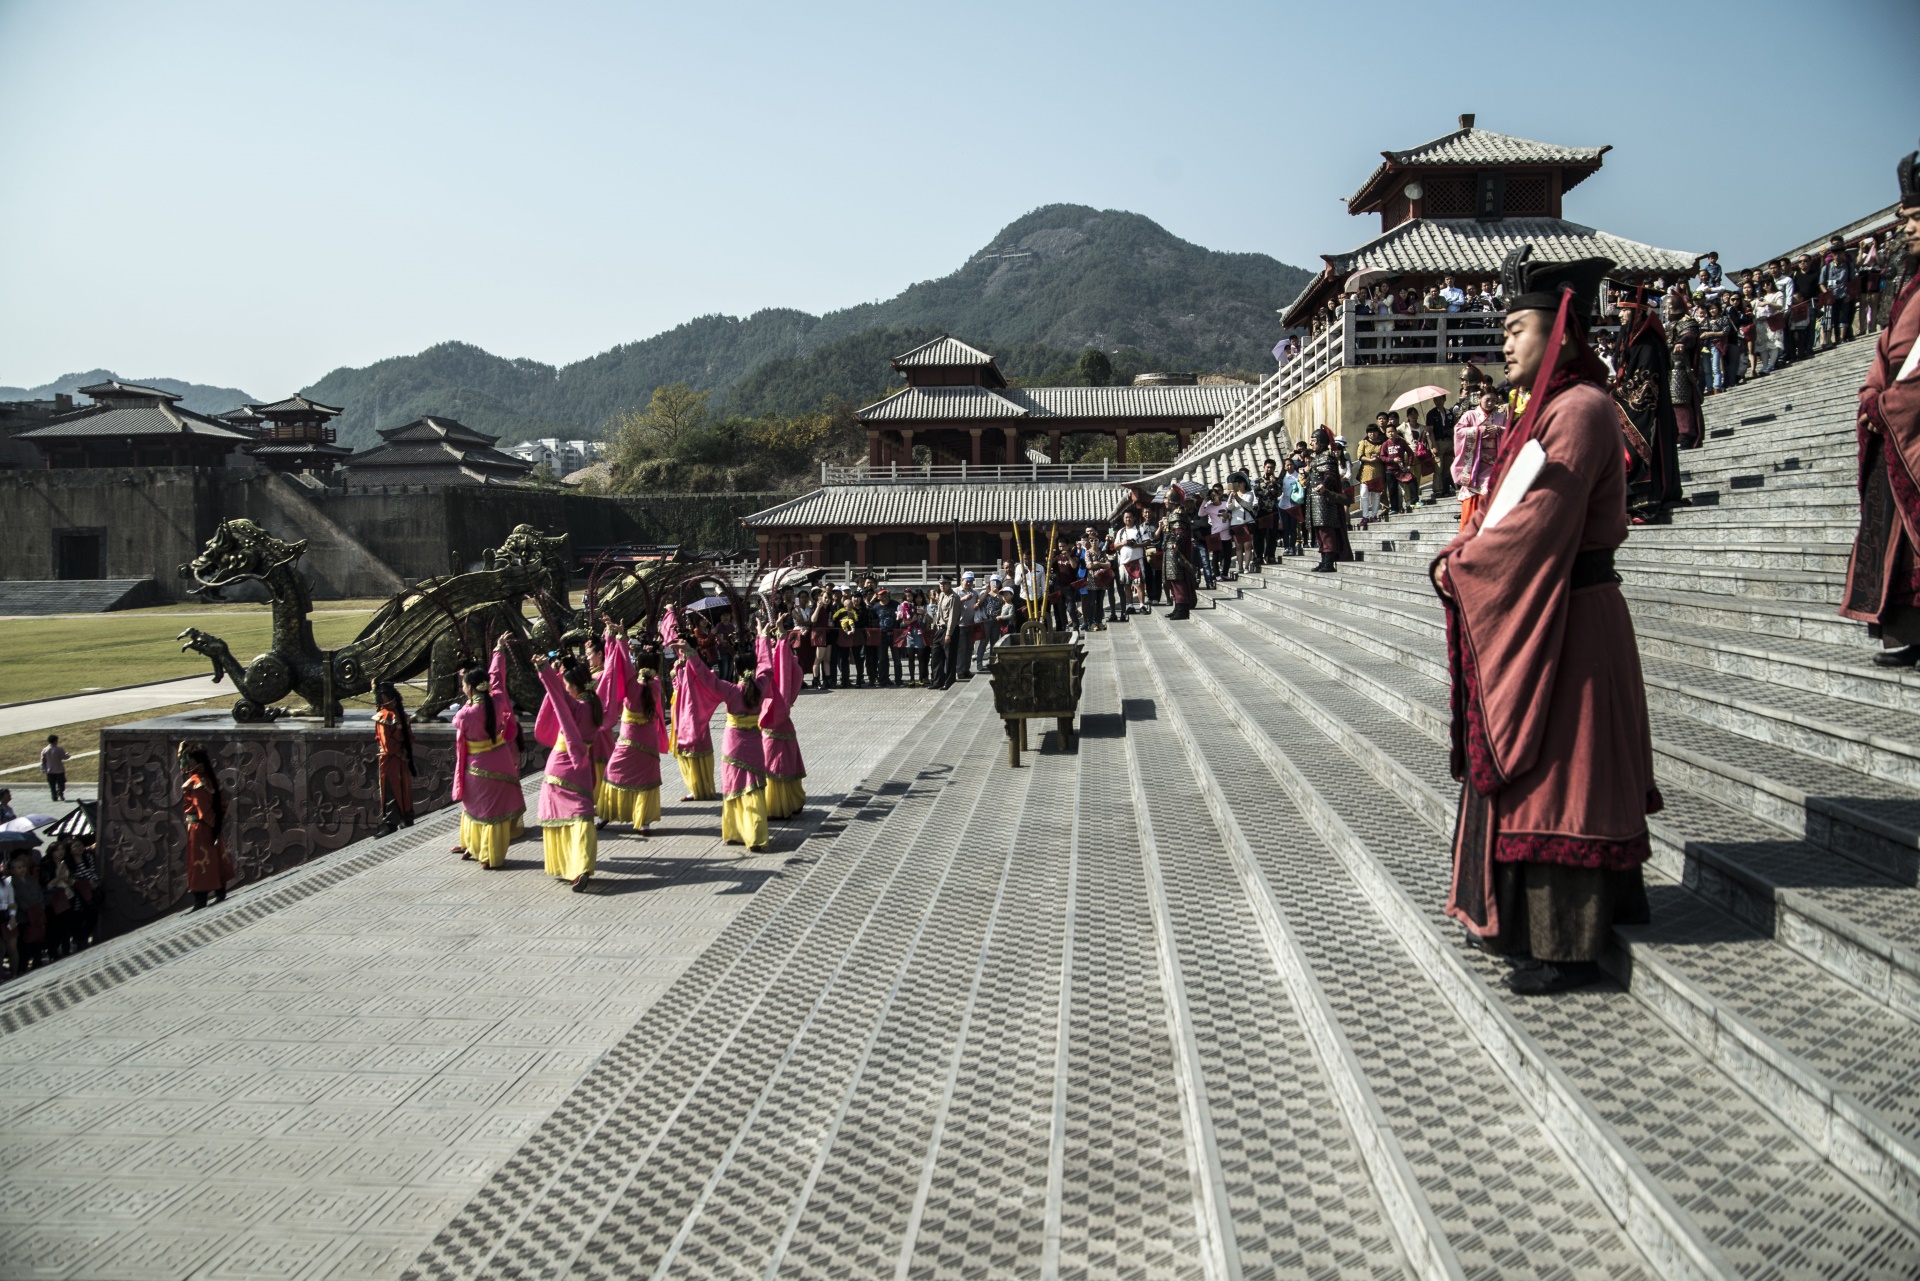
[1422,338]
[968,473]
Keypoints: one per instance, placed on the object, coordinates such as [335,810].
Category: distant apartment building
[563,457]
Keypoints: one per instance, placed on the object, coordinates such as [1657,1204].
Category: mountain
[1059,280]
[198,397]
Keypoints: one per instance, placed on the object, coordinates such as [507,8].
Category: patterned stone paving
[317,1091]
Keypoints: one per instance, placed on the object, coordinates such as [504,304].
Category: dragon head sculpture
[240,550]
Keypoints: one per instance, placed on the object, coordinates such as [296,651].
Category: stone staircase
[1182,1002]
[76,596]
[1763,1034]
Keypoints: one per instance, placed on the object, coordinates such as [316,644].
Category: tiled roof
[1485,147]
[295,405]
[866,506]
[246,415]
[420,454]
[914,403]
[134,420]
[116,390]
[432,427]
[911,404]
[946,350]
[297,448]
[1466,245]
[447,474]
[1130,402]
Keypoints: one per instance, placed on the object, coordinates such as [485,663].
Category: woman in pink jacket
[486,765]
[786,771]
[743,768]
[566,724]
[1476,444]
[630,790]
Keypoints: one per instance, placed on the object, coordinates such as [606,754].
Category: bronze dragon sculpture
[435,627]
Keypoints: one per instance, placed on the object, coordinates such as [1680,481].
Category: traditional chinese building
[981,475]
[957,404]
[435,451]
[1455,206]
[129,425]
[295,435]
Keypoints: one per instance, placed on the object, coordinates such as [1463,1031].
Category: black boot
[1325,566]
[1531,977]
[1904,657]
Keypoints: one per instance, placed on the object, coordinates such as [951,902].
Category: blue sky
[253,194]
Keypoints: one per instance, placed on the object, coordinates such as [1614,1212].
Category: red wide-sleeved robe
[1883,575]
[1551,736]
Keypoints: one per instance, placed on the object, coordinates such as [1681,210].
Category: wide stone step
[1859,919]
[77,596]
[1231,921]
[1634,1121]
[1797,586]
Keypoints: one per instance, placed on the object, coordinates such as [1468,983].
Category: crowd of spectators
[49,898]
[1749,324]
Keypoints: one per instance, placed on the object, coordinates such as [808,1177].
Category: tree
[674,415]
[1095,367]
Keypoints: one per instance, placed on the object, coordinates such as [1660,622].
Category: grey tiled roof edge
[882,505]
[135,420]
[946,350]
[1044,403]
[1467,245]
[1472,146]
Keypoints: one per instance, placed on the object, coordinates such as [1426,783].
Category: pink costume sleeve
[547,726]
[460,754]
[663,738]
[717,693]
[503,714]
[612,687]
[556,710]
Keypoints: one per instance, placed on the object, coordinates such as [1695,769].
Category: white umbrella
[710,602]
[26,823]
[1368,276]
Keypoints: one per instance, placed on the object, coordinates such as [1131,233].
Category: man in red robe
[1550,733]
[1883,576]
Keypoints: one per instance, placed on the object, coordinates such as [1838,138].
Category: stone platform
[1179,1003]
[296,790]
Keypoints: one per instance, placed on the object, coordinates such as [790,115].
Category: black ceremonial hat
[1536,286]
[1909,179]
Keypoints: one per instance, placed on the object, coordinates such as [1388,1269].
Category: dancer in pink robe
[486,765]
[786,770]
[566,724]
[743,768]
[630,790]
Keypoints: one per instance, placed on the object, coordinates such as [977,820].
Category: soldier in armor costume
[1327,503]
[1643,388]
[1883,575]
[1175,554]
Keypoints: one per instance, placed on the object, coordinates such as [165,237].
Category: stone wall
[362,543]
[1347,399]
[294,791]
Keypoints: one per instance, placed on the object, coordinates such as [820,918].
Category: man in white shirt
[1131,543]
[1453,295]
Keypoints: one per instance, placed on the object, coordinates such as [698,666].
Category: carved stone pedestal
[294,792]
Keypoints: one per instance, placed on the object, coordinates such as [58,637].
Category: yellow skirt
[572,848]
[743,819]
[696,770]
[487,839]
[786,797]
[636,805]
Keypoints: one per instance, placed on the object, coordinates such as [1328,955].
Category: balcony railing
[1421,338]
[968,473]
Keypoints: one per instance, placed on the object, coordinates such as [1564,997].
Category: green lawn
[47,657]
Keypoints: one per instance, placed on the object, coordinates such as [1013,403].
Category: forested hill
[199,397]
[1057,281]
